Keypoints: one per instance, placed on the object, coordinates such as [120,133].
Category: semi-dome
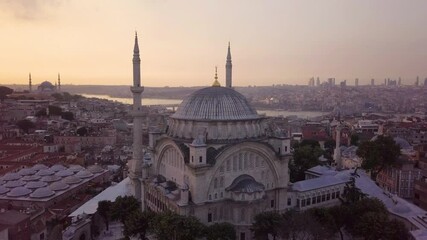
[51,178]
[11,177]
[76,168]
[35,184]
[27,171]
[58,186]
[30,178]
[42,193]
[71,180]
[39,166]
[14,183]
[215,103]
[95,169]
[45,172]
[19,192]
[84,174]
[64,173]
[57,168]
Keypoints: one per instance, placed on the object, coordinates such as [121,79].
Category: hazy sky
[181,41]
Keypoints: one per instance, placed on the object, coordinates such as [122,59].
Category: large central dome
[215,103]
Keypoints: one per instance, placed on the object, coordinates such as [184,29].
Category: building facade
[218,160]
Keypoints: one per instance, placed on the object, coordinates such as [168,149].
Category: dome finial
[216,83]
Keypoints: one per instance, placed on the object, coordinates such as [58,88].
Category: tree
[123,208]
[302,226]
[352,193]
[41,112]
[25,125]
[138,223]
[396,230]
[378,154]
[266,223]
[357,211]
[104,210]
[169,225]
[221,231]
[4,91]
[305,156]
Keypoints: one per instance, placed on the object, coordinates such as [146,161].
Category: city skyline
[279,42]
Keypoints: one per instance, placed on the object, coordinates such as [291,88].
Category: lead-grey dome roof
[215,103]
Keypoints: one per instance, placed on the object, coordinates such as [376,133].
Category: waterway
[160,101]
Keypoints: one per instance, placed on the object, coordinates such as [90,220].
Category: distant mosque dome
[46,87]
[215,104]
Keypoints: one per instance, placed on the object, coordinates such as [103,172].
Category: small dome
[27,171]
[19,192]
[75,168]
[3,189]
[30,178]
[42,193]
[45,172]
[35,184]
[84,174]
[57,168]
[46,84]
[95,169]
[64,173]
[11,176]
[71,180]
[58,186]
[14,183]
[38,167]
[51,178]
[215,103]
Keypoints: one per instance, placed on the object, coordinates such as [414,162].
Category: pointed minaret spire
[59,82]
[30,84]
[136,63]
[216,83]
[136,165]
[228,69]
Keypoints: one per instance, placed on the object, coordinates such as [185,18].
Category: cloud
[28,9]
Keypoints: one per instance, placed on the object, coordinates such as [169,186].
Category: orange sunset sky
[181,41]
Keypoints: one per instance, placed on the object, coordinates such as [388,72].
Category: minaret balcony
[138,90]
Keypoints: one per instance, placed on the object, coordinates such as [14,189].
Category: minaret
[337,152]
[136,164]
[59,82]
[30,84]
[228,69]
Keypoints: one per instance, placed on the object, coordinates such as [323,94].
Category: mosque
[217,160]
[45,87]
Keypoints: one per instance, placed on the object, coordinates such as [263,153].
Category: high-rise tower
[30,84]
[228,69]
[135,166]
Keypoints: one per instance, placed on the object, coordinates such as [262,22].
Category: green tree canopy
[169,225]
[138,224]
[123,207]
[378,154]
[104,210]
[265,224]
[305,156]
[221,231]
